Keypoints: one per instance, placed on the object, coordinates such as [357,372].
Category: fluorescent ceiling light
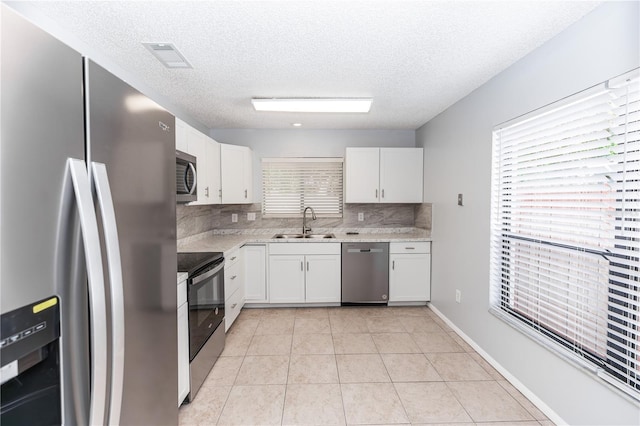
[312,104]
[168,54]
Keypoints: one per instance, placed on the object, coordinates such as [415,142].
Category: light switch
[360,217]
[234,217]
[251,216]
[460,199]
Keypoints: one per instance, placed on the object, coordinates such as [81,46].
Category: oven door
[206,306]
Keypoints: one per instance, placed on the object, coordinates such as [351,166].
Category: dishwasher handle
[364,250]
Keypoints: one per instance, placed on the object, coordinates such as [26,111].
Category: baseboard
[552,415]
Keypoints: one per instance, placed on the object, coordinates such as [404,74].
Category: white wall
[457,160]
[35,16]
[306,143]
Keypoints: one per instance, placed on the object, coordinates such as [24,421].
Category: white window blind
[291,184]
[565,227]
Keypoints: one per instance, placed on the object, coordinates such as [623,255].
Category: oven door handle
[207,274]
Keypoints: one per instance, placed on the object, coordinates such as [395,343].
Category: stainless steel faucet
[304,219]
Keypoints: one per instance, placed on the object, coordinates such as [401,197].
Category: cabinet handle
[245,193]
[393,265]
[376,193]
[383,193]
[234,305]
[232,259]
[220,193]
[301,265]
[206,191]
[307,265]
[234,277]
[409,248]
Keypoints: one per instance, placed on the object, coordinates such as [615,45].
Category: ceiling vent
[168,55]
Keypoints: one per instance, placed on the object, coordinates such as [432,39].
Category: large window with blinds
[565,228]
[291,184]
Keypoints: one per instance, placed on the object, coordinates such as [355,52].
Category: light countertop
[227,243]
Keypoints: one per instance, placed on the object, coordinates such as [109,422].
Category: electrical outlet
[251,216]
[458,296]
[360,217]
[234,217]
[460,199]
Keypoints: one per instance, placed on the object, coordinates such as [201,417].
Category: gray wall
[306,143]
[458,157]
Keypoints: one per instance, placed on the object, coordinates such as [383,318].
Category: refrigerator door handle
[100,181]
[89,225]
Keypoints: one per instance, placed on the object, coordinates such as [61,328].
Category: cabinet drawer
[232,279]
[232,308]
[182,293]
[410,247]
[304,248]
[231,258]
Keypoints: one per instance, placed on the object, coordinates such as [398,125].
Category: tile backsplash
[194,220]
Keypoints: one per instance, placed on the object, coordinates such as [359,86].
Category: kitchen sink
[314,236]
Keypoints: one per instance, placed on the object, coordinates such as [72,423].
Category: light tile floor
[355,366]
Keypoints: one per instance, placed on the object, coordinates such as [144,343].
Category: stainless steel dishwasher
[365,273]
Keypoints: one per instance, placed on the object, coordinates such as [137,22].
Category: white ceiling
[415,58]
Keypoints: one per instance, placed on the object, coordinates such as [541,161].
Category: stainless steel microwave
[186,177]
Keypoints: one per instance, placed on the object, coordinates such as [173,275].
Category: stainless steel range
[205,296]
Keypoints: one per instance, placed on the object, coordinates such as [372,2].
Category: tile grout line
[286,382]
[232,385]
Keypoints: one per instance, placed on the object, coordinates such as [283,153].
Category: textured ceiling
[415,58]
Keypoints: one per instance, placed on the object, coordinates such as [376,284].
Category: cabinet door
[232,172]
[409,278]
[322,278]
[255,278]
[183,352]
[401,175]
[286,279]
[247,169]
[213,170]
[181,136]
[362,175]
[198,147]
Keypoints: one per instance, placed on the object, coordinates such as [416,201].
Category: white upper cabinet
[207,153]
[384,175]
[401,171]
[225,172]
[236,166]
[181,136]
[362,175]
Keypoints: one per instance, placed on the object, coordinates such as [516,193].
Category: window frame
[503,284]
[324,202]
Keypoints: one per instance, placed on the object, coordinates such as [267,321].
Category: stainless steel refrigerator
[87,216]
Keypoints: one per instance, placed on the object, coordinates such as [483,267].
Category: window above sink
[291,184]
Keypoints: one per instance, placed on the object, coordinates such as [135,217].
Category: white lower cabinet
[410,272]
[286,279]
[323,275]
[304,273]
[183,342]
[233,287]
[255,273]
